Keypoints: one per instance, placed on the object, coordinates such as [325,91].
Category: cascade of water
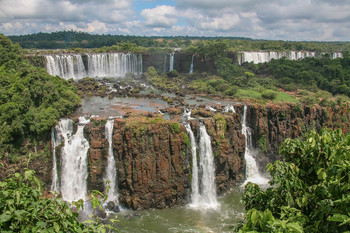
[252,171]
[208,197]
[66,66]
[265,56]
[111,170]
[171,61]
[74,169]
[229,108]
[165,64]
[211,109]
[191,67]
[55,141]
[113,64]
[194,181]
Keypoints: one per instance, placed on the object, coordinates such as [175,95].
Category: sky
[293,20]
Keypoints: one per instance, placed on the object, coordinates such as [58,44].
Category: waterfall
[252,171]
[229,108]
[66,66]
[55,141]
[111,170]
[194,181]
[266,56]
[191,67]
[99,65]
[203,186]
[165,64]
[171,61]
[74,164]
[113,64]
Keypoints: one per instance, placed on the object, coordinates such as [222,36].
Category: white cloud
[162,16]
[269,19]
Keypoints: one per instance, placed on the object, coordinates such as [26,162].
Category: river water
[185,219]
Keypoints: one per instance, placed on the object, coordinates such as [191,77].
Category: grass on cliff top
[256,94]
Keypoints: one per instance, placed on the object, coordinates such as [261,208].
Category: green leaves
[311,188]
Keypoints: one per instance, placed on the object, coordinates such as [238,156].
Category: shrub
[270,95]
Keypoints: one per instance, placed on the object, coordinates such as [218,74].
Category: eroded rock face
[153,156]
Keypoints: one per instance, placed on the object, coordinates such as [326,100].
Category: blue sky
[319,20]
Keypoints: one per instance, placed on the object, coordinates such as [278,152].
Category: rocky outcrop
[153,158]
[272,124]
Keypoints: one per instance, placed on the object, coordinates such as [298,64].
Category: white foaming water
[99,65]
[74,166]
[252,171]
[211,109]
[191,67]
[203,186]
[66,66]
[111,170]
[113,64]
[171,61]
[266,56]
[229,108]
[194,180]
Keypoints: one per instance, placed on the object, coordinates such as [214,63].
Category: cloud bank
[270,19]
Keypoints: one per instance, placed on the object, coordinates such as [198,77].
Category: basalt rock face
[272,124]
[153,158]
[228,145]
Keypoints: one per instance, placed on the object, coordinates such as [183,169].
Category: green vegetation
[205,45]
[310,191]
[23,209]
[31,101]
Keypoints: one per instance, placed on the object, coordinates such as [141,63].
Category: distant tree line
[73,39]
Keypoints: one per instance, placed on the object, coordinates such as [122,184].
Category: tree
[310,191]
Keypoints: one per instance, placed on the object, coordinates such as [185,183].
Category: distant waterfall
[191,67]
[66,66]
[98,65]
[266,56]
[74,164]
[203,178]
[165,64]
[111,170]
[252,171]
[171,61]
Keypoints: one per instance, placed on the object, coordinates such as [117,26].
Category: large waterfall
[98,65]
[252,171]
[111,170]
[66,66]
[74,171]
[203,186]
[171,61]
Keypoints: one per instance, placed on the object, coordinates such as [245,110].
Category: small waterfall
[229,108]
[55,141]
[74,165]
[252,171]
[194,181]
[165,64]
[203,186]
[111,170]
[191,67]
[171,61]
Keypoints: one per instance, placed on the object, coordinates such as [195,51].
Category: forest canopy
[31,101]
